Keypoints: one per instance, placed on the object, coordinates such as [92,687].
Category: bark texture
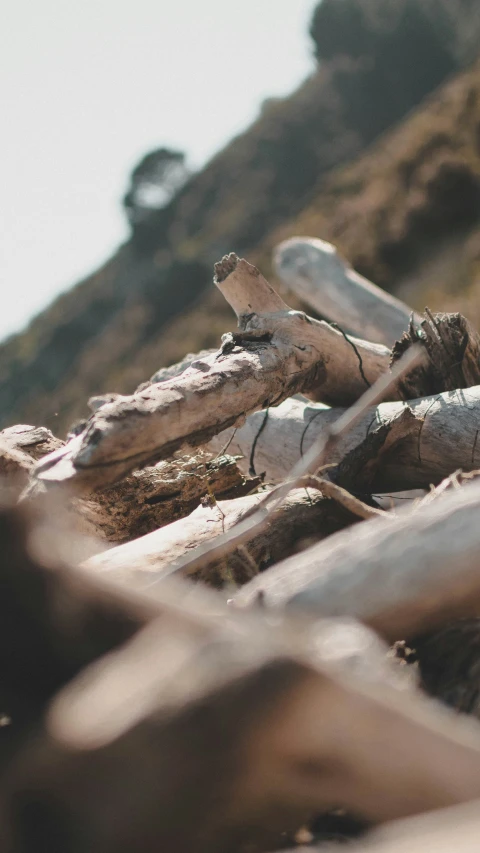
[306,516]
[395,447]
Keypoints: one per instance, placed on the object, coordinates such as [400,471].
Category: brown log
[151,497]
[159,495]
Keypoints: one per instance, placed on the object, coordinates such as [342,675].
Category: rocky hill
[311,163]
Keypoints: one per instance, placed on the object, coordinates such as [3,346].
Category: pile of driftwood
[321,478]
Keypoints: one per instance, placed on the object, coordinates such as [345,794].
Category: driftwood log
[145,715]
[402,575]
[305,516]
[395,447]
[20,447]
[315,272]
[277,353]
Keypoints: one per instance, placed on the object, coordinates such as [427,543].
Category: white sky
[89,86]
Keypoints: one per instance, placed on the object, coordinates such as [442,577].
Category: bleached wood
[223,545]
[405,576]
[305,514]
[424,440]
[316,272]
[274,356]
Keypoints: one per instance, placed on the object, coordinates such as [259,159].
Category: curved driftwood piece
[306,515]
[228,735]
[395,447]
[317,273]
[405,576]
[276,354]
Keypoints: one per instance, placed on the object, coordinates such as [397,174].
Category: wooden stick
[316,273]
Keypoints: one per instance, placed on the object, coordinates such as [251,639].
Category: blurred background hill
[377,151]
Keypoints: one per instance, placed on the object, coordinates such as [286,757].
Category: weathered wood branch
[276,354]
[395,447]
[316,273]
[307,515]
[230,736]
[405,576]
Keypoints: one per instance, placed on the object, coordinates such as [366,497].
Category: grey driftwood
[316,272]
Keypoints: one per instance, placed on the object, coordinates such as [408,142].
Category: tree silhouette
[153,183]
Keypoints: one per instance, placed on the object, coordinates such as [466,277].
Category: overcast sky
[87,87]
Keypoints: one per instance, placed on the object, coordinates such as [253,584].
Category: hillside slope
[407,212]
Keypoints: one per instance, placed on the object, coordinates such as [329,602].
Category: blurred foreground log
[53,621]
[316,273]
[214,735]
